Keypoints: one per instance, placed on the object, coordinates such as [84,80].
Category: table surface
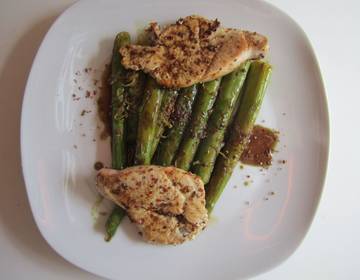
[331,248]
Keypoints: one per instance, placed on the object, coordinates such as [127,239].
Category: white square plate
[252,231]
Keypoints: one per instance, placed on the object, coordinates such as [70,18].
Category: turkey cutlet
[193,50]
[166,203]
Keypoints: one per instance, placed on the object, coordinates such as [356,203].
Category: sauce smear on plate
[261,147]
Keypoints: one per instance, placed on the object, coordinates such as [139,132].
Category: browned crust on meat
[193,50]
[166,203]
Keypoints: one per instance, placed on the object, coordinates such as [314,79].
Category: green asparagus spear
[113,222]
[147,122]
[166,109]
[134,90]
[195,130]
[118,103]
[209,148]
[179,119]
[255,87]
[118,125]
[134,96]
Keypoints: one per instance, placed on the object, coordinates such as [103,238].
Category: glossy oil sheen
[253,230]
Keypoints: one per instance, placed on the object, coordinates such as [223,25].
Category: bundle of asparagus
[257,80]
[186,128]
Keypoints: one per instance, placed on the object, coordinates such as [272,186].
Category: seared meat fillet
[193,50]
[166,203]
